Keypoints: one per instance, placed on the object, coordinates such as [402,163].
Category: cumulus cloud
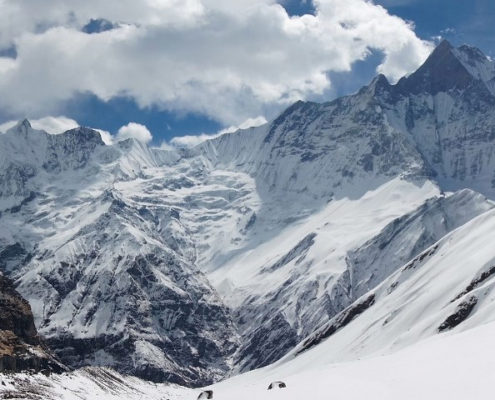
[135,131]
[106,136]
[54,125]
[166,146]
[226,59]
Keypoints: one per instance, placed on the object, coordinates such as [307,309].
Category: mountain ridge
[187,266]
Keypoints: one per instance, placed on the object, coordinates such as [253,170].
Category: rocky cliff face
[21,348]
[447,108]
[185,266]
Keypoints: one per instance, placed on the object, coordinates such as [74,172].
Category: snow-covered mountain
[186,266]
[111,278]
[429,133]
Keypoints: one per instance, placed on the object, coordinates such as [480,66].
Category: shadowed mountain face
[21,348]
[439,122]
[185,266]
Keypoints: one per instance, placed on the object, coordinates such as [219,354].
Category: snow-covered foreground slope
[445,367]
[455,367]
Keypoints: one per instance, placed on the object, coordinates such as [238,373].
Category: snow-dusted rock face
[105,261]
[437,124]
[331,268]
[449,287]
[317,152]
[120,290]
[25,152]
[184,266]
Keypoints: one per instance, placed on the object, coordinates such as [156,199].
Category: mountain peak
[450,68]
[444,45]
[442,71]
[23,126]
[24,122]
[377,85]
[83,134]
[442,57]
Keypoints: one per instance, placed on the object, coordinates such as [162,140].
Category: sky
[173,72]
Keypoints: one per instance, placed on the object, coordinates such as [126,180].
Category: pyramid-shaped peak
[443,51]
[379,82]
[443,70]
[444,45]
[442,54]
[445,54]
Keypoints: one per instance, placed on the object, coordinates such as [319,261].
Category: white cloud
[190,140]
[6,126]
[106,136]
[226,59]
[166,146]
[396,3]
[136,131]
[249,123]
[56,126]
[51,125]
[193,140]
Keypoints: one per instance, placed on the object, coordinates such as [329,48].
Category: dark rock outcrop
[21,348]
[462,312]
[340,321]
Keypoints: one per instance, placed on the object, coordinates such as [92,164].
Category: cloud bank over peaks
[51,125]
[57,125]
[228,60]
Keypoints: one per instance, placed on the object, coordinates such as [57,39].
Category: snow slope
[445,367]
[454,367]
[281,298]
[447,288]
